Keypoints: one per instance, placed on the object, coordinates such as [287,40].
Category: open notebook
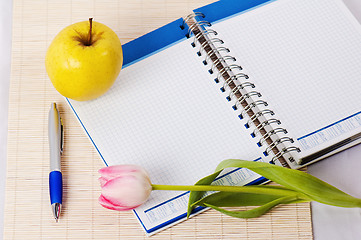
[274,81]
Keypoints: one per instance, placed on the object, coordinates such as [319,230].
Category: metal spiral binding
[197,25]
[191,16]
[244,97]
[201,33]
[225,69]
[257,115]
[272,132]
[223,59]
[252,105]
[213,40]
[275,143]
[239,88]
[263,124]
[236,76]
[284,151]
[212,52]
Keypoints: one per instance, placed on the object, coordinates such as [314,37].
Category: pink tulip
[124,187]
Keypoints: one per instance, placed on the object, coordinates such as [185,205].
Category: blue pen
[55,133]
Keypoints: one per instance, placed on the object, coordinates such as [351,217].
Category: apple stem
[89,42]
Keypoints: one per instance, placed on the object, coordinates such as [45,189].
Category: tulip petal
[102,181]
[117,170]
[124,187]
[127,191]
[108,204]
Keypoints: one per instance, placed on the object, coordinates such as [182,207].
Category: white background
[342,170]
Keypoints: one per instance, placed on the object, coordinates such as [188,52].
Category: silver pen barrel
[55,138]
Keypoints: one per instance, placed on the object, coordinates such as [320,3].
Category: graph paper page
[166,114]
[304,57]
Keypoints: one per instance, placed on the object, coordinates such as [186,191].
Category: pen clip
[61,136]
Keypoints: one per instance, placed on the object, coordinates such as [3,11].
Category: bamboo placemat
[27,211]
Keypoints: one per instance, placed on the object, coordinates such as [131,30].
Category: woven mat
[27,213]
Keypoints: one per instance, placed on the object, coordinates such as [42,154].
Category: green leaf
[236,199]
[307,184]
[194,196]
[255,212]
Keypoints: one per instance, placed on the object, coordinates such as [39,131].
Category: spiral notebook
[273,81]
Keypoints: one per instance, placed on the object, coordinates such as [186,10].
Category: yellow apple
[84,60]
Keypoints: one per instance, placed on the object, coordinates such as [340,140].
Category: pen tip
[56,210]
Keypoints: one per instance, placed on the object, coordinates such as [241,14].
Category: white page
[304,57]
[166,114]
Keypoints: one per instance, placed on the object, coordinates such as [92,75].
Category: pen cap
[56,187]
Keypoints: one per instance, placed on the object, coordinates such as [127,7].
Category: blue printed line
[197,209]
[91,139]
[329,126]
[136,214]
[235,170]
[183,215]
[257,181]
[169,200]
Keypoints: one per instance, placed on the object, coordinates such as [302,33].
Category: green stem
[201,188]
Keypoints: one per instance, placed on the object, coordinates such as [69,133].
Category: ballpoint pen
[55,133]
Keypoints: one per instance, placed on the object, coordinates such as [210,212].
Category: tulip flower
[126,187]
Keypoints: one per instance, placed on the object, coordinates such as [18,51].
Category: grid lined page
[304,57]
[166,113]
